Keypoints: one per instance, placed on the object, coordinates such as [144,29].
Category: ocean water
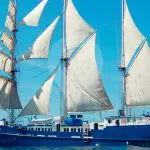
[77,148]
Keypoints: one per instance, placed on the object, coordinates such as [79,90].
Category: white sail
[77,30]
[8,41]
[32,19]
[5,62]
[39,104]
[85,91]
[11,9]
[41,46]
[10,24]
[138,80]
[132,36]
[8,94]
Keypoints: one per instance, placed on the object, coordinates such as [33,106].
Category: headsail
[77,30]
[5,62]
[32,19]
[138,80]
[132,36]
[8,94]
[85,93]
[39,104]
[41,46]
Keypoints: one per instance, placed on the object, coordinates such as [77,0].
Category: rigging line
[80,48]
[130,64]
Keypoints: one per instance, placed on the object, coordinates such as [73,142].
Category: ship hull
[132,135]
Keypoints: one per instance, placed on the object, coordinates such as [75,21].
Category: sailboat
[82,92]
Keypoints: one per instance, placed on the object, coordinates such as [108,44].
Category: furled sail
[138,80]
[39,104]
[41,46]
[77,30]
[10,24]
[9,98]
[8,41]
[32,19]
[85,91]
[5,62]
[11,9]
[132,36]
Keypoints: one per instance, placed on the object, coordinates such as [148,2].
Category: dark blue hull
[114,135]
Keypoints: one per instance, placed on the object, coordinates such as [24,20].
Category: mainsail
[39,104]
[77,30]
[9,98]
[138,80]
[132,36]
[85,91]
[136,59]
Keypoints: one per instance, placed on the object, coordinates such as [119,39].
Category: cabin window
[38,129]
[74,130]
[96,126]
[71,129]
[49,129]
[42,129]
[117,122]
[67,129]
[109,121]
[31,129]
[45,129]
[128,120]
[58,127]
[78,129]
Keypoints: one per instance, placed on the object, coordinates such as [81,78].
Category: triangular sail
[5,62]
[32,19]
[132,36]
[77,30]
[9,98]
[85,91]
[41,46]
[138,80]
[39,104]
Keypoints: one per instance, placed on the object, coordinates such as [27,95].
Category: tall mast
[13,64]
[123,67]
[64,61]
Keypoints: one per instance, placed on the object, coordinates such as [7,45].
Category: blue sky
[103,15]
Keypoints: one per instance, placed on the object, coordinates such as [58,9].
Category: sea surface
[78,148]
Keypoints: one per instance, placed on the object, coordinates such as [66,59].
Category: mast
[123,67]
[64,61]
[13,56]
